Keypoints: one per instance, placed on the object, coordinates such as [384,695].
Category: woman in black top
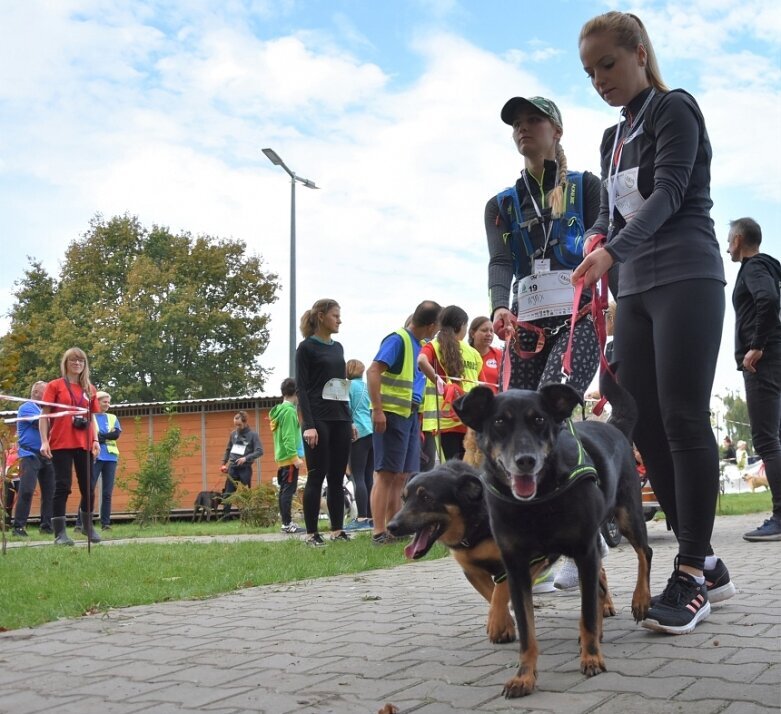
[323,399]
[655,212]
[541,192]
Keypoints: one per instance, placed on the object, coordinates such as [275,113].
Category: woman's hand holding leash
[596,261]
[593,267]
[504,320]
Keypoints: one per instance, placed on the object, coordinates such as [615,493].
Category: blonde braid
[556,195]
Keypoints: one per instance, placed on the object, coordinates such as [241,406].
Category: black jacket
[671,237]
[247,438]
[757,302]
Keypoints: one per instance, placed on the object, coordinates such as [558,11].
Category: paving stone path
[412,636]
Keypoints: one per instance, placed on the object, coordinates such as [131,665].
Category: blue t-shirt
[391,352]
[28,435]
[360,406]
[102,420]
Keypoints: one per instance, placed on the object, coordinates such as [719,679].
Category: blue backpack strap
[569,235]
[520,242]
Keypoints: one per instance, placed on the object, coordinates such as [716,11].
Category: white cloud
[166,121]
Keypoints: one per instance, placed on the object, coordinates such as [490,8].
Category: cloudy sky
[160,108]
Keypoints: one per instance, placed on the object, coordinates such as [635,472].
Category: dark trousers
[10,489]
[236,474]
[106,471]
[34,470]
[763,398]
[362,470]
[667,343]
[287,478]
[327,463]
[64,461]
[428,451]
[452,444]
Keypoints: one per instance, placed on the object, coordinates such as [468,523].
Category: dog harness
[583,469]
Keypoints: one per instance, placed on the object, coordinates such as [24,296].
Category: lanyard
[633,129]
[546,231]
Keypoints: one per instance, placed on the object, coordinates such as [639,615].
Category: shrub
[154,491]
[257,505]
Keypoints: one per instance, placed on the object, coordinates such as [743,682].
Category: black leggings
[667,343]
[327,462]
[362,470]
[63,461]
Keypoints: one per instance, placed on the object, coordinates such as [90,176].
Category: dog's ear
[471,487]
[473,406]
[560,400]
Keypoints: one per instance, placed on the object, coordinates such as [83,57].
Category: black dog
[447,504]
[549,485]
[206,504]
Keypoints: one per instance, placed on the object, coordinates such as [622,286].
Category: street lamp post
[273,157]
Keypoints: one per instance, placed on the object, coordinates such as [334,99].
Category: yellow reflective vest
[473,365]
[396,390]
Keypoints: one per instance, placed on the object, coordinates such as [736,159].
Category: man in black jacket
[243,448]
[757,303]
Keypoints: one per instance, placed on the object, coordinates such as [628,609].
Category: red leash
[599,304]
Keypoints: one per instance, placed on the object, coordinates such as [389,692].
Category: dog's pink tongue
[523,485]
[419,544]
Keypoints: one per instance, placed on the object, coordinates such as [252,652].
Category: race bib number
[545,295]
[629,200]
[337,390]
[238,449]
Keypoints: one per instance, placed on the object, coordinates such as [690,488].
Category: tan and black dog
[206,504]
[549,485]
[447,504]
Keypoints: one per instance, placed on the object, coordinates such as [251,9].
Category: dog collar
[582,469]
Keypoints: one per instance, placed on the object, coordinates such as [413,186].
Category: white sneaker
[543,583]
[567,575]
[604,548]
[293,527]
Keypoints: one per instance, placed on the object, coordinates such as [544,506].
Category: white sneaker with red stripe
[681,606]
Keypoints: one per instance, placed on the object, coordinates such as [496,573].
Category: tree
[21,360]
[736,418]
[158,313]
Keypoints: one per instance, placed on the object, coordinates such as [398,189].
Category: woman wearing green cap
[535,233]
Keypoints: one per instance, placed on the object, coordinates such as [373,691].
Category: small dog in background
[756,481]
[206,504]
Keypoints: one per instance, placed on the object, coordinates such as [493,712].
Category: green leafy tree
[158,313]
[736,418]
[21,358]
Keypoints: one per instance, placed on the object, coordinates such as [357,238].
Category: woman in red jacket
[70,441]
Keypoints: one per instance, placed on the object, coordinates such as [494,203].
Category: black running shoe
[719,585]
[341,536]
[681,606]
[718,582]
[315,540]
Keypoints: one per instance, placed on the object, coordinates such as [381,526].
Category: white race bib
[545,295]
[337,390]
[238,449]
[629,200]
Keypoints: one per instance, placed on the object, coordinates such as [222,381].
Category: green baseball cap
[546,106]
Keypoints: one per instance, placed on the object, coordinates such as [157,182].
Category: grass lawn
[47,583]
[41,584]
